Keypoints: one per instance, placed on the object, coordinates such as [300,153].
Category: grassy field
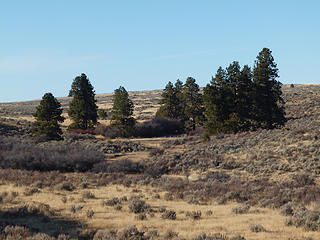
[253,185]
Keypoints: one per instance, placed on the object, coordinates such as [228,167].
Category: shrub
[103,114]
[118,207]
[25,154]
[64,199]
[237,237]
[68,186]
[124,165]
[87,194]
[131,233]
[112,202]
[168,197]
[159,127]
[287,210]
[303,179]
[105,235]
[63,237]
[138,206]
[217,236]
[90,213]
[152,234]
[30,191]
[195,215]
[170,235]
[302,217]
[257,228]
[16,232]
[141,216]
[73,208]
[170,214]
[162,209]
[107,131]
[241,209]
[209,213]
[156,152]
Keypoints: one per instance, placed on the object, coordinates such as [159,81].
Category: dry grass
[276,156]
[222,220]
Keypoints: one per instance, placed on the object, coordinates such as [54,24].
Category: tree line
[236,99]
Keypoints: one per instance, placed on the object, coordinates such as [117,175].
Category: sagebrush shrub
[169,214]
[159,127]
[138,206]
[25,154]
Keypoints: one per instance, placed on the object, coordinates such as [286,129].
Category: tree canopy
[171,101]
[192,102]
[122,112]
[83,108]
[268,102]
[48,116]
[239,99]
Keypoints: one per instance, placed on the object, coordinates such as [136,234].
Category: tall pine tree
[268,103]
[122,112]
[244,99]
[83,108]
[192,101]
[48,116]
[218,103]
[171,102]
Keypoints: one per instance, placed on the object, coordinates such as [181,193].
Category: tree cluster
[182,102]
[82,110]
[237,99]
[241,99]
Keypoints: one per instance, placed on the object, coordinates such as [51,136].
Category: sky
[144,44]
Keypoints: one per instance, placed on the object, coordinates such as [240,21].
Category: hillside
[260,185]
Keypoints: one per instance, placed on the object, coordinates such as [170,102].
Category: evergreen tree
[241,100]
[217,99]
[244,99]
[192,100]
[268,103]
[171,102]
[48,116]
[122,112]
[83,108]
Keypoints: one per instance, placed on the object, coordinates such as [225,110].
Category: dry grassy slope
[275,155]
[145,102]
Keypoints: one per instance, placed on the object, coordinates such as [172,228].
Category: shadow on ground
[39,220]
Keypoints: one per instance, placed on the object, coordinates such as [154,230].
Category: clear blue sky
[142,45]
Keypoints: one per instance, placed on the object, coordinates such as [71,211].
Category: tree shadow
[40,222]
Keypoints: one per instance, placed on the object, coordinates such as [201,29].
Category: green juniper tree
[48,116]
[122,112]
[83,108]
[268,103]
[192,102]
